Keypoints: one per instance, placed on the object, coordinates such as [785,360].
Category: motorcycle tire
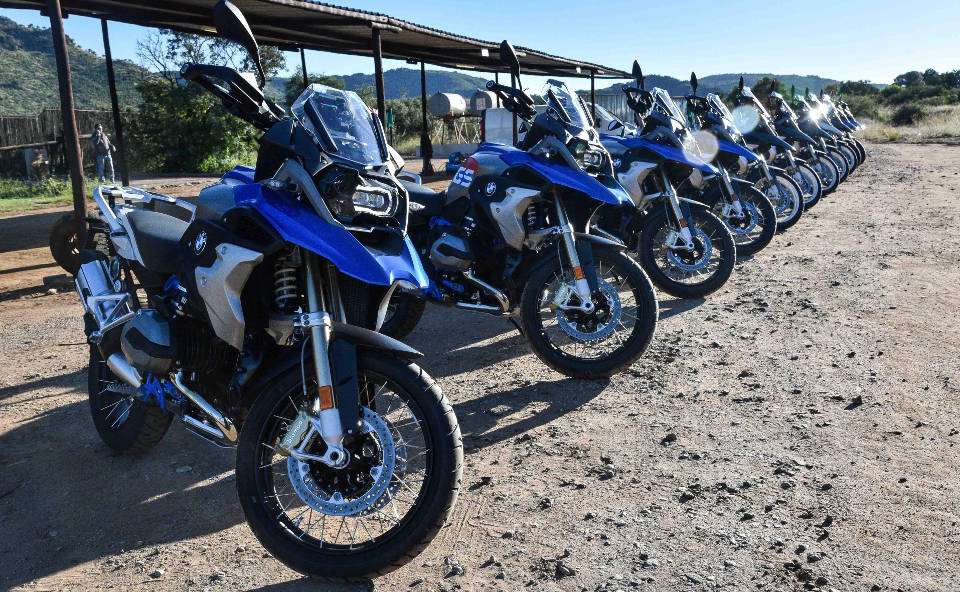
[549,348]
[789,205]
[841,163]
[829,175]
[759,213]
[810,184]
[403,315]
[124,423]
[709,233]
[272,518]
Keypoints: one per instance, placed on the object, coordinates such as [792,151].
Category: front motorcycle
[242,316]
[685,248]
[510,237]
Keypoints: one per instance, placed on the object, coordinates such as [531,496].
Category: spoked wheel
[787,199]
[601,341]
[809,183]
[850,155]
[843,169]
[753,229]
[384,505]
[123,422]
[826,169]
[688,273]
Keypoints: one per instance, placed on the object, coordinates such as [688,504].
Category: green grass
[18,195]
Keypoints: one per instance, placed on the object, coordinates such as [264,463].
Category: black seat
[158,239]
[424,202]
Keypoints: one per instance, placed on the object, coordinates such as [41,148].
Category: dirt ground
[797,429]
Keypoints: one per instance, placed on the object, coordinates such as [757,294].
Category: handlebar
[514,100]
[238,94]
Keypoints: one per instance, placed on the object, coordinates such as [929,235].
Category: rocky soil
[797,430]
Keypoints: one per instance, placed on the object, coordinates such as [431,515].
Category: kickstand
[516,324]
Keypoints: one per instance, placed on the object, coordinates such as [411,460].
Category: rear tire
[124,423]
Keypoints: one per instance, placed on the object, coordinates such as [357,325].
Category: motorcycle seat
[424,202]
[158,239]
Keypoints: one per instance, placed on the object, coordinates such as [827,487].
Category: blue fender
[667,152]
[239,173]
[737,150]
[606,189]
[295,221]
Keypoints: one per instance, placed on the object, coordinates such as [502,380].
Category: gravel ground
[795,430]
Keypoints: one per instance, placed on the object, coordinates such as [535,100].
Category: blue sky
[843,40]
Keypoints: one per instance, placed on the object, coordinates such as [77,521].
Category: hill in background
[402,83]
[28,73]
[723,83]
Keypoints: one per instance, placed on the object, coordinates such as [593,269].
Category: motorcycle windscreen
[738,150]
[603,189]
[393,259]
[669,153]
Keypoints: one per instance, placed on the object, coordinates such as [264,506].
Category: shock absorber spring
[285,291]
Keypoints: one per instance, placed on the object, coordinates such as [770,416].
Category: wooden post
[115,104]
[593,98]
[378,73]
[71,141]
[426,146]
[303,66]
[513,84]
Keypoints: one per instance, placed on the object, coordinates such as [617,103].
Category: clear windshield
[562,100]
[720,107]
[663,99]
[345,117]
[783,106]
[604,115]
[756,102]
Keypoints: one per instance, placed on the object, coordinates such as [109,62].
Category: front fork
[733,207]
[682,238]
[580,284]
[324,417]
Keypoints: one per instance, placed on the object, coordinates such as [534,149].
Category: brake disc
[573,327]
[333,503]
[751,218]
[693,264]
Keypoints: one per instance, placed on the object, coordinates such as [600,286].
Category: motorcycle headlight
[348,195]
[586,155]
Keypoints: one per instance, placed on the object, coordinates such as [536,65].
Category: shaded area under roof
[291,24]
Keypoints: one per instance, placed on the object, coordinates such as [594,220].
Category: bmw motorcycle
[682,245]
[786,123]
[839,119]
[839,131]
[776,183]
[242,315]
[813,123]
[510,237]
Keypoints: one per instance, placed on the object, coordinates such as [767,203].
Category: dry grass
[940,122]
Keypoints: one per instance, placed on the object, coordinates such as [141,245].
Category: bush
[908,114]
[863,106]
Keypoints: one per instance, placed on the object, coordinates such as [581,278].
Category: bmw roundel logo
[201,242]
[616,163]
[491,187]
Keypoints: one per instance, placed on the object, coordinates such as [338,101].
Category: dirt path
[798,427]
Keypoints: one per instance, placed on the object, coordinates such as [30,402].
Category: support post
[303,68]
[71,141]
[496,78]
[593,98]
[378,74]
[115,104]
[426,146]
[513,84]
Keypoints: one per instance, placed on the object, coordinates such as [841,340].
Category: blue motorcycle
[249,315]
[511,237]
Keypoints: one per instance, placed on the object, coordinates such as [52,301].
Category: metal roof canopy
[294,24]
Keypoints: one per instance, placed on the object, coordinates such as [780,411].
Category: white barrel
[482,99]
[447,105]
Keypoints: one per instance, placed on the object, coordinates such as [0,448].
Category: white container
[482,99]
[447,105]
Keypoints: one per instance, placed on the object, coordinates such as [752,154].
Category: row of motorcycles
[265,315]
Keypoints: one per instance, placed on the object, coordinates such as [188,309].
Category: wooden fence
[45,130]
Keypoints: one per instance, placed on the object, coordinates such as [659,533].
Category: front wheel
[841,163]
[688,273]
[787,200]
[827,171]
[809,183]
[616,331]
[753,228]
[384,506]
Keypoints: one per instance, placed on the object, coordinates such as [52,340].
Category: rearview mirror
[741,83]
[232,26]
[509,58]
[638,73]
[693,82]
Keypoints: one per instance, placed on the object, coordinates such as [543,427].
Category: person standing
[102,147]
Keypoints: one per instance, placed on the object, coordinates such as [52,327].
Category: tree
[931,77]
[294,85]
[912,78]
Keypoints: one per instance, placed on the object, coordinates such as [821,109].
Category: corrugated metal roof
[317,25]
